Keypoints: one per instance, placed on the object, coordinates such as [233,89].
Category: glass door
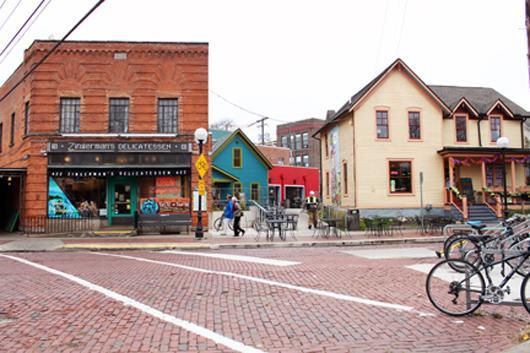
[121,201]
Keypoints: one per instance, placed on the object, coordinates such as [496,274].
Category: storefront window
[400,177]
[76,197]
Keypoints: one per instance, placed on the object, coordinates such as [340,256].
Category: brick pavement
[272,318]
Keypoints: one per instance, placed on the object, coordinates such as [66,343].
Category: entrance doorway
[11,190]
[294,196]
[274,195]
[121,201]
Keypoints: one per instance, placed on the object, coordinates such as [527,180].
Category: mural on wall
[335,166]
[58,203]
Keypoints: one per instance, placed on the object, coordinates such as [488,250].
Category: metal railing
[66,223]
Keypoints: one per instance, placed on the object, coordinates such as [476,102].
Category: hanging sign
[201,187]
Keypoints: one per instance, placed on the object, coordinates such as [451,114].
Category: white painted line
[186,325]
[393,253]
[253,259]
[320,292]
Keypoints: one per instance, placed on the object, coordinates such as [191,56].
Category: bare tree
[224,124]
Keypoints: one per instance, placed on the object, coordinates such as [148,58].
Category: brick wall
[299,127]
[94,72]
[276,155]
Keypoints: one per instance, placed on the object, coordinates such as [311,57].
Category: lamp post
[502,143]
[201,136]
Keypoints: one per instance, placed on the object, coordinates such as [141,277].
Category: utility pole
[262,122]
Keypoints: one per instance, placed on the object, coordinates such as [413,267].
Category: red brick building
[276,155]
[298,136]
[101,128]
[289,186]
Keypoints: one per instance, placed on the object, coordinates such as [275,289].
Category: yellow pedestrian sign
[201,187]
[202,165]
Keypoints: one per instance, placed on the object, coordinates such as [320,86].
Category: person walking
[311,206]
[228,214]
[238,213]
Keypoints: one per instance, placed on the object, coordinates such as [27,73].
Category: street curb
[267,245]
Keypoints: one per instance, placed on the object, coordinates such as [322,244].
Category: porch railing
[68,223]
[494,204]
[459,202]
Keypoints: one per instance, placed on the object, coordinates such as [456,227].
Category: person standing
[238,213]
[311,206]
[228,214]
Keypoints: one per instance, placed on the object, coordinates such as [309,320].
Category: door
[121,201]
[274,195]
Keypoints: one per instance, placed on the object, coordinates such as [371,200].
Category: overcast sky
[292,60]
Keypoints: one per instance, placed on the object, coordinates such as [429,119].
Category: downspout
[522,131]
[479,134]
[354,162]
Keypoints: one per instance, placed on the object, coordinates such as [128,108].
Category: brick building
[276,155]
[298,136]
[102,129]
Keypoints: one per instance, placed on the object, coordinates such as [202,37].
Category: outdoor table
[280,224]
[332,223]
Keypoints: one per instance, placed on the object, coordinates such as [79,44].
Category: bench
[162,221]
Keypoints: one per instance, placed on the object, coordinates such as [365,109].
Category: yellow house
[398,142]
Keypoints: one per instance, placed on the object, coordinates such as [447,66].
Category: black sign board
[119,147]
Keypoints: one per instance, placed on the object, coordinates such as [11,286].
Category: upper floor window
[167,115]
[400,177]
[326,141]
[284,141]
[237,160]
[305,140]
[327,184]
[298,160]
[26,118]
[382,124]
[298,141]
[461,128]
[305,160]
[70,115]
[292,142]
[495,128]
[414,126]
[12,136]
[118,115]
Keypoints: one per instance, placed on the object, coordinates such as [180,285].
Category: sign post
[201,135]
[421,203]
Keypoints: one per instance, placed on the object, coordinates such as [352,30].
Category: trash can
[353,219]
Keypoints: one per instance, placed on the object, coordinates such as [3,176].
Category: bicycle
[218,224]
[461,292]
[492,245]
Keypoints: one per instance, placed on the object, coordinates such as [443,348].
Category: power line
[382,35]
[237,105]
[24,33]
[35,66]
[2,5]
[10,14]
[21,28]
[401,29]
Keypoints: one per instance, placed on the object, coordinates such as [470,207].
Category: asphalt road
[262,300]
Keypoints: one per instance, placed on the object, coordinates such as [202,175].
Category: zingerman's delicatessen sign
[115,179]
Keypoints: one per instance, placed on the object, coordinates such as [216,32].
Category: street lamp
[502,143]
[201,136]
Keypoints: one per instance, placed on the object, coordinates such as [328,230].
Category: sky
[291,60]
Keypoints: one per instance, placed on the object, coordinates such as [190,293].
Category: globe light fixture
[503,142]
[201,135]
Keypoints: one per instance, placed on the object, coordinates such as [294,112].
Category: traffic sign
[202,165]
[201,187]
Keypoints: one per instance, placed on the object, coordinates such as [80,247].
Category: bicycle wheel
[461,248]
[218,224]
[525,292]
[453,292]
[522,247]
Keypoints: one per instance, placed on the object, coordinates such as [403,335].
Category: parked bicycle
[457,287]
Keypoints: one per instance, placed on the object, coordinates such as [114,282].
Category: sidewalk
[303,238]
